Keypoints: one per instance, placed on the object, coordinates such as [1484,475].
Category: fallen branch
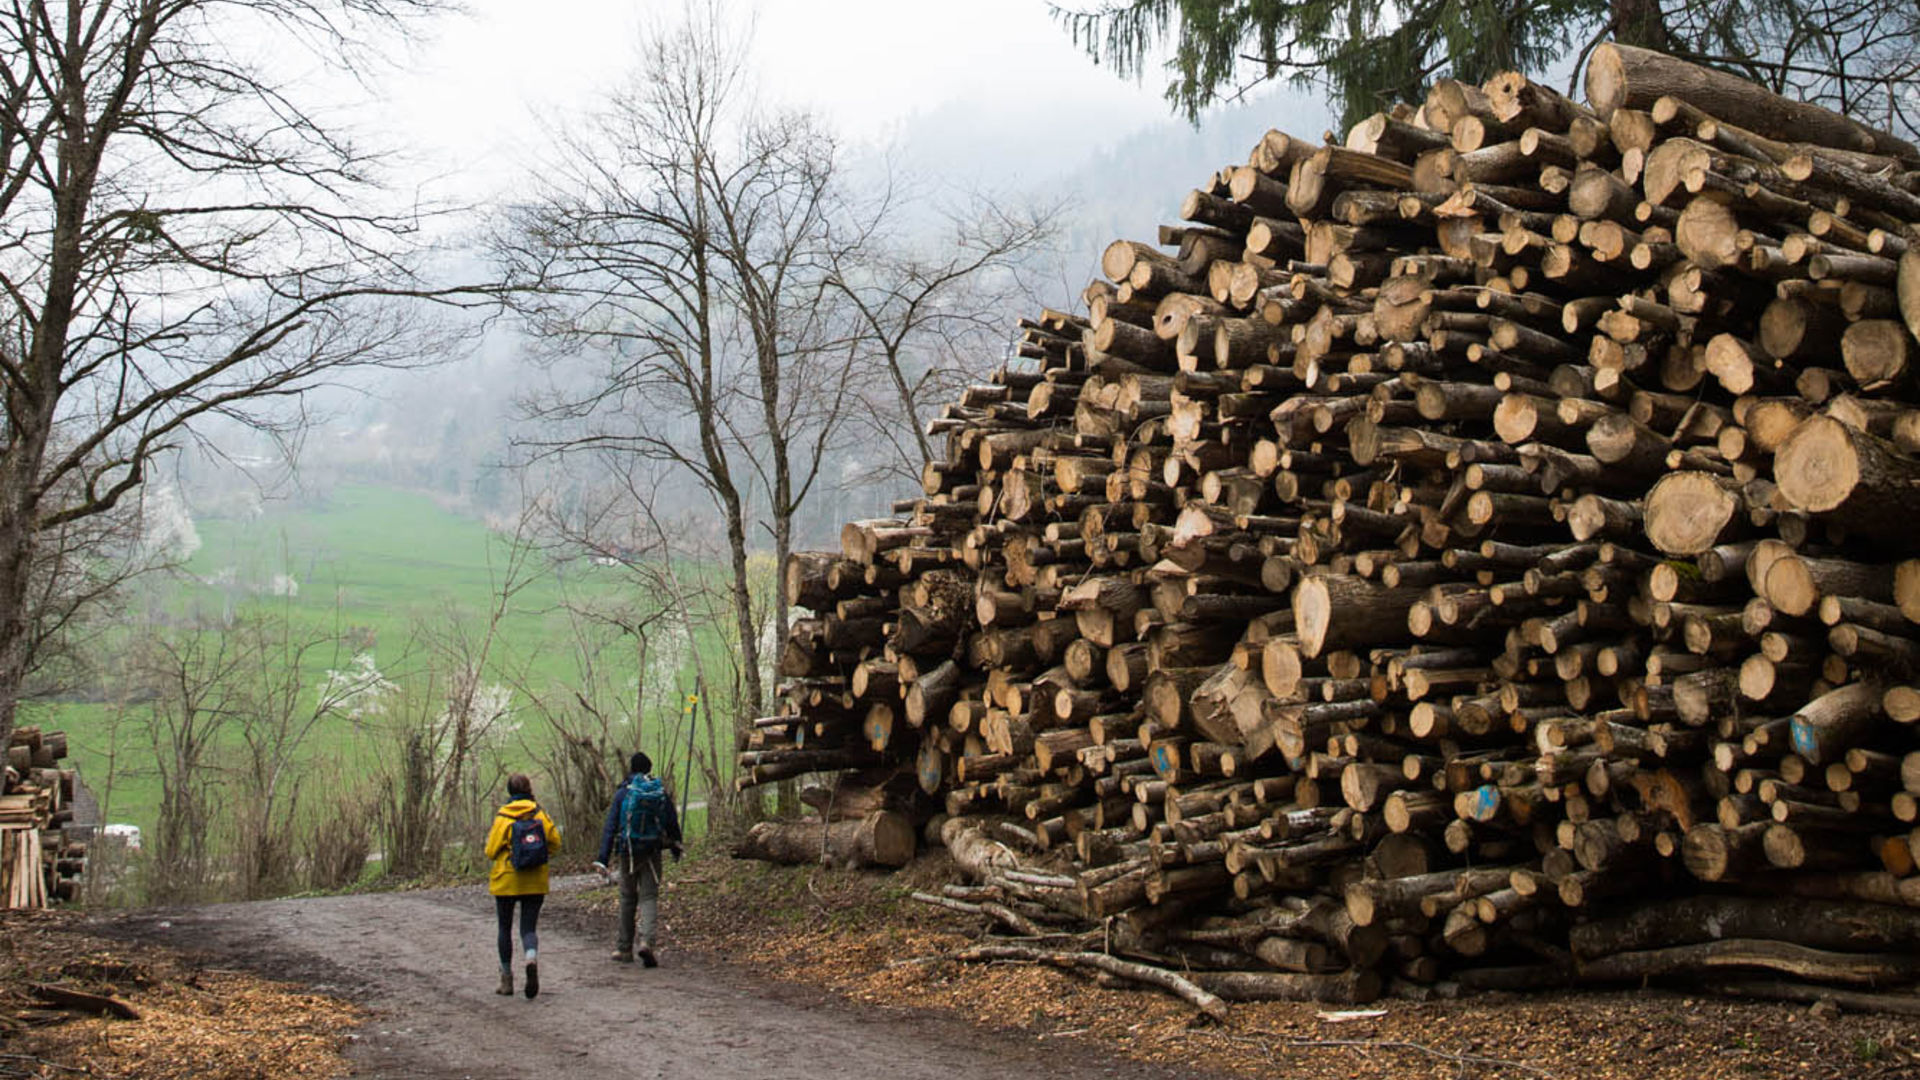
[961,906]
[1152,976]
[1784,957]
[1020,923]
[1015,921]
[42,1062]
[68,998]
[1784,990]
[1045,881]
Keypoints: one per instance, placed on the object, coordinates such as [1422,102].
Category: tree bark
[1337,610]
[1693,960]
[1624,76]
[882,838]
[1857,479]
[1818,924]
[1908,289]
[1179,986]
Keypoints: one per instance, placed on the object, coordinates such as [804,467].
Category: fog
[1000,102]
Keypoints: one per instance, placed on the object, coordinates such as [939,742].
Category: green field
[407,582]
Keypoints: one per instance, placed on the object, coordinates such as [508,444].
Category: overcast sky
[475,92]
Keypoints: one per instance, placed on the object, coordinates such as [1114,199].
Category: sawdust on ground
[859,934]
[194,1021]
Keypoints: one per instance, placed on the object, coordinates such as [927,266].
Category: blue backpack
[643,813]
[527,842]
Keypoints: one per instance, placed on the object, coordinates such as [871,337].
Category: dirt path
[424,963]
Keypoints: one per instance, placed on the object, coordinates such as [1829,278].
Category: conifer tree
[1861,57]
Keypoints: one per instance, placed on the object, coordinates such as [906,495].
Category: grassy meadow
[393,575]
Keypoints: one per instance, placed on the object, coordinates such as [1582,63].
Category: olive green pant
[639,892]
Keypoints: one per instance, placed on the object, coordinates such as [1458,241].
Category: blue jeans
[529,924]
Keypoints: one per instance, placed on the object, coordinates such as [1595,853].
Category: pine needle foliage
[1858,56]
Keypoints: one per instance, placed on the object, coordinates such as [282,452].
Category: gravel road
[423,963]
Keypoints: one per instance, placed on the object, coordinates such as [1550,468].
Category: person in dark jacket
[636,861]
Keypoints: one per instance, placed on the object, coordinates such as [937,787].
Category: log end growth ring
[1817,467]
[1687,511]
[1312,614]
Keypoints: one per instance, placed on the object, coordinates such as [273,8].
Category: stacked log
[1471,552]
[38,864]
[867,821]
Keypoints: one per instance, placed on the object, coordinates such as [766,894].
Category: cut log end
[1687,512]
[1817,467]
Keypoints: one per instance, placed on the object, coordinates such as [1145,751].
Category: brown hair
[520,784]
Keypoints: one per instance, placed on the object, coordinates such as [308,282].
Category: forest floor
[800,972]
[859,935]
[402,984]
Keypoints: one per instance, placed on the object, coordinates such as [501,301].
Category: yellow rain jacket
[505,880]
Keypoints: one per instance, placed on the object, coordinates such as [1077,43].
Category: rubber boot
[506,982]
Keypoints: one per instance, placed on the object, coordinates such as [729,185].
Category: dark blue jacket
[669,828]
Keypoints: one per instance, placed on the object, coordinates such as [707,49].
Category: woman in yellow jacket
[524,884]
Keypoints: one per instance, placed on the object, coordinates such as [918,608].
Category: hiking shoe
[506,984]
[622,956]
[533,979]
[647,960]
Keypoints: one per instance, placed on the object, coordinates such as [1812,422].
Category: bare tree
[190,680]
[781,246]
[79,568]
[670,610]
[278,714]
[930,322]
[680,248]
[436,748]
[1859,57]
[183,241]
[593,717]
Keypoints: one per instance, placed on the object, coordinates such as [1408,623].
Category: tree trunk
[1908,289]
[1626,77]
[741,591]
[20,467]
[882,838]
[1337,610]
[1863,969]
[1859,480]
[1818,924]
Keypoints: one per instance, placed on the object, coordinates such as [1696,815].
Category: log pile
[1473,552]
[866,821]
[38,864]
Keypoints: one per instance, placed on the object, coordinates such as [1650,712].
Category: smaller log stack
[865,820]
[38,864]
[1474,551]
